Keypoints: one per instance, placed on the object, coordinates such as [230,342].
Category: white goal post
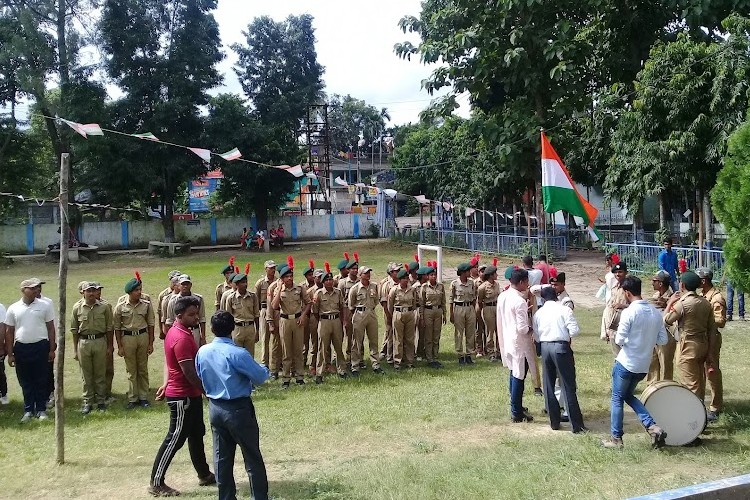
[431,248]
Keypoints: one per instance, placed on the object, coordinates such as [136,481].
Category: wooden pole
[63,280]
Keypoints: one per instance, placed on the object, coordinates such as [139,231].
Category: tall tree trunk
[663,211]
[261,213]
[708,217]
[168,221]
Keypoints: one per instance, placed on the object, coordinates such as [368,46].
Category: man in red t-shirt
[183,390]
[544,268]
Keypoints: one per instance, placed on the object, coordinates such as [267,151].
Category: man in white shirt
[51,367]
[554,325]
[3,378]
[641,327]
[30,345]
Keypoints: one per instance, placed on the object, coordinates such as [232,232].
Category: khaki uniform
[403,304]
[662,360]
[310,350]
[132,322]
[617,302]
[219,292]
[329,309]
[432,312]
[481,337]
[462,298]
[92,325]
[224,297]
[246,312]
[158,309]
[487,301]
[346,284]
[271,344]
[715,382]
[419,334]
[363,300]
[695,319]
[170,316]
[109,374]
[292,305]
[386,351]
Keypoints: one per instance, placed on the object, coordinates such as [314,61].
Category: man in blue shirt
[641,327]
[228,373]
[668,262]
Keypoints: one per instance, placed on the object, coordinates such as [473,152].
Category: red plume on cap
[474,261]
[615,258]
[311,264]
[406,266]
[231,261]
[290,261]
[682,266]
[356,257]
[346,255]
[328,267]
[236,269]
[138,277]
[477,256]
[247,268]
[494,262]
[416,258]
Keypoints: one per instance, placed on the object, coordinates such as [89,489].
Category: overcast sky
[354,43]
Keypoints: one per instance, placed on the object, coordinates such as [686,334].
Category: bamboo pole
[63,280]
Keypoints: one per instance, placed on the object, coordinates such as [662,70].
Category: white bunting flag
[204,154]
[146,136]
[75,126]
[92,129]
[295,170]
[447,206]
[234,154]
[340,181]
[391,193]
[470,212]
[422,199]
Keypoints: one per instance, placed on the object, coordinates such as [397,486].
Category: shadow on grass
[322,489]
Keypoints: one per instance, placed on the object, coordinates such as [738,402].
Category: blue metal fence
[643,258]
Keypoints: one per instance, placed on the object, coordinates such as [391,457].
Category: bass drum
[676,410]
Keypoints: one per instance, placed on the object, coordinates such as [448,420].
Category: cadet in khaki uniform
[294,309]
[311,337]
[432,315]
[92,328]
[266,319]
[480,339]
[172,277]
[345,285]
[186,290]
[228,291]
[362,301]
[244,305]
[224,285]
[307,284]
[462,299]
[696,323]
[487,294]
[662,360]
[328,307]
[713,370]
[385,285]
[343,272]
[134,330]
[422,273]
[613,309]
[402,302]
[109,374]
[163,302]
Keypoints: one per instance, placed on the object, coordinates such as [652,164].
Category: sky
[354,42]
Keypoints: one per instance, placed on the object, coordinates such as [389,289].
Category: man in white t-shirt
[3,378]
[30,346]
[51,367]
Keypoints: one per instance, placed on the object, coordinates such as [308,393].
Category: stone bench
[76,254]
[168,249]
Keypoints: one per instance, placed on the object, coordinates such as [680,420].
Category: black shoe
[86,409]
[300,381]
[318,380]
[538,392]
[274,376]
[208,480]
[524,417]
[144,403]
[379,371]
[390,362]
[343,375]
[555,427]
[433,364]
[355,374]
[438,364]
[397,367]
[285,385]
[582,430]
[131,405]
[101,407]
[564,418]
[462,360]
[712,416]
[469,361]
[362,365]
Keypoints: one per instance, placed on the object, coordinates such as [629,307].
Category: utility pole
[63,281]
[319,151]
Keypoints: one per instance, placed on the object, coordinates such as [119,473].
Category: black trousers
[185,423]
[557,359]
[3,378]
[233,423]
[32,362]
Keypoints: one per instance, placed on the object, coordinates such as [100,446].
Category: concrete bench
[168,249]
[75,254]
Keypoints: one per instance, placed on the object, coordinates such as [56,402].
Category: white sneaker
[4,400]
[42,415]
[26,417]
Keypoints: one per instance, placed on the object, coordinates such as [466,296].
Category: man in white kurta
[515,340]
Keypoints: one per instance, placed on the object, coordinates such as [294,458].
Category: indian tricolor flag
[560,193]
[234,154]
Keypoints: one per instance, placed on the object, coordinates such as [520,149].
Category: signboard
[199,193]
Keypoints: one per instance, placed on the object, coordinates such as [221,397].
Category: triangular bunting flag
[391,193]
[470,212]
[204,154]
[75,126]
[295,170]
[92,129]
[234,154]
[148,136]
[422,199]
[340,181]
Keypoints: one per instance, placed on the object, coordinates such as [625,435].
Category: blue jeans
[623,390]
[730,300]
[233,423]
[516,393]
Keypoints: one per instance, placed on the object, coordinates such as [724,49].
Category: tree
[351,119]
[731,201]
[279,73]
[163,55]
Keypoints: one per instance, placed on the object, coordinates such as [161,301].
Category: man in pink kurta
[515,339]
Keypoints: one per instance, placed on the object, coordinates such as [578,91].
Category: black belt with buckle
[361,308]
[433,307]
[330,316]
[488,304]
[263,305]
[244,323]
[93,336]
[291,316]
[462,304]
[135,332]
[402,308]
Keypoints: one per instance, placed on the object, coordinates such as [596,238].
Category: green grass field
[423,434]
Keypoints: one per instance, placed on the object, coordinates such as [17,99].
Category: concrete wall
[34,238]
